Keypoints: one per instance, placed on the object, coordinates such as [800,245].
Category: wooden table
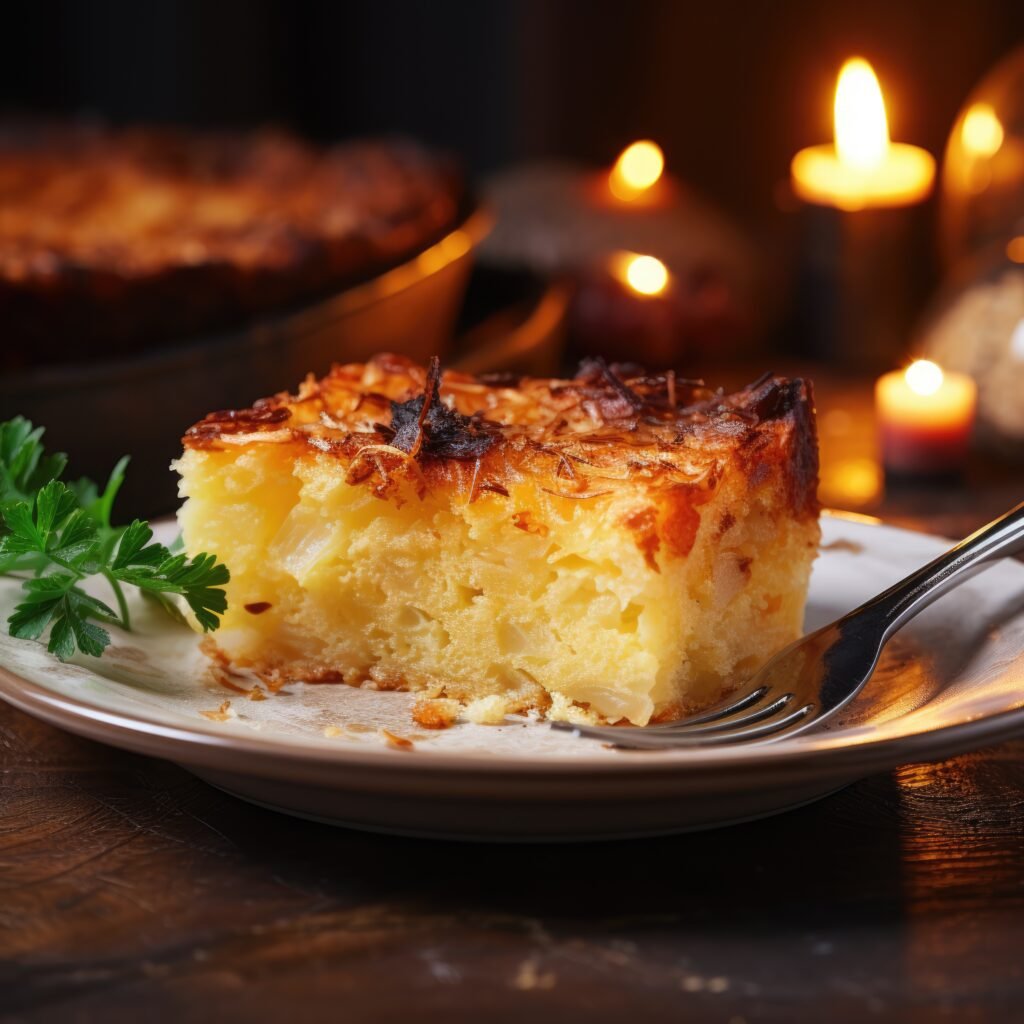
[129,891]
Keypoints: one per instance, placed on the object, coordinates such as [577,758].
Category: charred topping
[595,369]
[628,394]
[430,392]
[775,399]
[768,398]
[258,414]
[235,421]
[490,485]
[625,399]
[500,379]
[424,425]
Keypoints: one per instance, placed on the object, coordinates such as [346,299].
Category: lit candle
[565,221]
[925,417]
[636,177]
[862,169]
[627,308]
[644,276]
[861,275]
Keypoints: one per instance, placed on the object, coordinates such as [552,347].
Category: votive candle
[925,419]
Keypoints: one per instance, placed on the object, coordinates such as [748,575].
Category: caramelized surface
[578,439]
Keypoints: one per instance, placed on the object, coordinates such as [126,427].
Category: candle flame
[924,377]
[645,275]
[637,169]
[981,132]
[861,126]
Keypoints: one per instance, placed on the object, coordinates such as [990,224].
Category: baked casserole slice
[621,546]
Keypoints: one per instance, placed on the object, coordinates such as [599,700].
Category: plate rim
[256,757]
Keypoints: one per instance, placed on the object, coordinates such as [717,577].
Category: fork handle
[1002,537]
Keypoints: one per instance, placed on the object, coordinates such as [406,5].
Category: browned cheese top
[605,428]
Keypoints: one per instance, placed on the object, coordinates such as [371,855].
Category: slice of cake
[622,545]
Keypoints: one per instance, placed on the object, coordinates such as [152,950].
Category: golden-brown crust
[434,714]
[135,236]
[577,439]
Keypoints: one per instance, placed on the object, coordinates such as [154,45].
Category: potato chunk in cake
[620,545]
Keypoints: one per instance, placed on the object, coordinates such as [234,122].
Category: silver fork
[813,678]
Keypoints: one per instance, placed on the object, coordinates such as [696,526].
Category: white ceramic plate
[952,680]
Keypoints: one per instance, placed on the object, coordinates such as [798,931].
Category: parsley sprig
[55,536]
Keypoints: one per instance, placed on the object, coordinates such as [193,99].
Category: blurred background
[730,90]
[536,100]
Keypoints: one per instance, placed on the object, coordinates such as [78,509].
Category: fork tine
[645,739]
[736,721]
[717,723]
[715,714]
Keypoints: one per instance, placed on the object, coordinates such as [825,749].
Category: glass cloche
[977,328]
[982,186]
[977,324]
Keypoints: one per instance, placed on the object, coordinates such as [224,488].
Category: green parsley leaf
[42,596]
[135,551]
[55,536]
[151,567]
[24,465]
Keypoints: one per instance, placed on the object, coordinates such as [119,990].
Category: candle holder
[626,308]
[630,307]
[861,279]
[898,482]
[565,221]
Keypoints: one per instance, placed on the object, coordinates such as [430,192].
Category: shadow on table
[804,867]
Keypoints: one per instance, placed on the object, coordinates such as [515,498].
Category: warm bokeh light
[638,168]
[1015,249]
[861,127]
[861,168]
[981,132]
[646,275]
[851,483]
[924,377]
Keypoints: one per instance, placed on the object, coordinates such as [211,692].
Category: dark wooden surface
[129,891]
